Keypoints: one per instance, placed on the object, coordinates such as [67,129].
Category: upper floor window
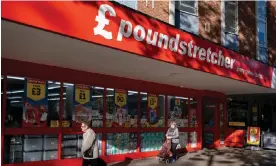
[186,16]
[132,4]
[261,31]
[230,25]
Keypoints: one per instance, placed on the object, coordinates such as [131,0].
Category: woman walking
[89,148]
[173,135]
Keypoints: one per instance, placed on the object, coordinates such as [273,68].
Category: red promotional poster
[35,110]
[253,135]
[113,25]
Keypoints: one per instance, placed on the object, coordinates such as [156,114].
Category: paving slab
[213,157]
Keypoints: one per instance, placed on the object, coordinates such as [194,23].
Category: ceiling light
[16,91]
[16,78]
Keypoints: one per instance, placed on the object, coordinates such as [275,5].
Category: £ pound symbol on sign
[102,21]
[152,101]
[82,96]
[120,99]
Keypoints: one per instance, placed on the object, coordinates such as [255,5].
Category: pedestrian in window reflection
[173,135]
[89,148]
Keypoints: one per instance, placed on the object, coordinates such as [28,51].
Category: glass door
[210,125]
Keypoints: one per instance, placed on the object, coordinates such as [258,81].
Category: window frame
[195,8]
[264,19]
[236,3]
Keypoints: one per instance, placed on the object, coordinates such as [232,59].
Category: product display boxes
[151,141]
[121,143]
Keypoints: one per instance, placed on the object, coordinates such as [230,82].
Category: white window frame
[195,7]
[258,46]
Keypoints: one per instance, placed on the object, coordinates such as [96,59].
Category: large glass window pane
[68,105]
[231,41]
[152,110]
[262,32]
[53,103]
[97,106]
[178,110]
[183,139]
[121,143]
[261,8]
[187,6]
[152,141]
[231,22]
[122,108]
[193,139]
[193,113]
[29,148]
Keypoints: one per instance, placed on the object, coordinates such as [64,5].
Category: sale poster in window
[253,136]
[82,104]
[35,108]
[151,120]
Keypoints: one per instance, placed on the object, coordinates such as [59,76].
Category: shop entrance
[210,123]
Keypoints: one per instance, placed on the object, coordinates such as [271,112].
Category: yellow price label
[177,102]
[82,94]
[120,98]
[152,101]
[36,89]
[65,123]
[253,131]
[54,123]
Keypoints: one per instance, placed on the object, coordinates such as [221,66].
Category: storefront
[130,74]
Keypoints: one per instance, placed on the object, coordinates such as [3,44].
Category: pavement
[213,157]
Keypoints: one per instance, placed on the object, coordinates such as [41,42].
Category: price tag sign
[65,123]
[54,123]
[253,137]
[152,101]
[177,102]
[82,94]
[36,89]
[120,98]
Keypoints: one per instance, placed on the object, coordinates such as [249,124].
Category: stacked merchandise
[33,148]
[121,143]
[183,139]
[16,150]
[151,141]
[69,146]
[50,147]
[80,139]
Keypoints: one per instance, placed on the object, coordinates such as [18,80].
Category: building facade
[131,67]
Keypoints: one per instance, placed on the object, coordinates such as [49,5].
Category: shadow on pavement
[124,163]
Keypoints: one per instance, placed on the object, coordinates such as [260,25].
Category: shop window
[71,145]
[152,141]
[193,139]
[152,110]
[121,143]
[186,16]
[237,113]
[230,25]
[132,4]
[82,102]
[32,102]
[29,148]
[178,110]
[122,108]
[193,113]
[221,123]
[183,139]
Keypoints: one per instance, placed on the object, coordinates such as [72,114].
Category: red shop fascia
[123,25]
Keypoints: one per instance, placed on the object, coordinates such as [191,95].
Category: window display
[82,102]
[237,113]
[152,110]
[178,110]
[32,102]
[124,111]
[152,141]
[29,148]
[121,143]
[193,139]
[193,113]
[183,139]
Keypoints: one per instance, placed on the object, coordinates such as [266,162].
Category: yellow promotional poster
[152,101]
[253,136]
[82,94]
[35,109]
[36,89]
[65,123]
[120,98]
[82,104]
[236,124]
[54,123]
[177,102]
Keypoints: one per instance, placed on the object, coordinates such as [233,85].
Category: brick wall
[271,32]
[159,11]
[247,28]
[209,13]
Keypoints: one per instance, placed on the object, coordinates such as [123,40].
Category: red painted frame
[13,67]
